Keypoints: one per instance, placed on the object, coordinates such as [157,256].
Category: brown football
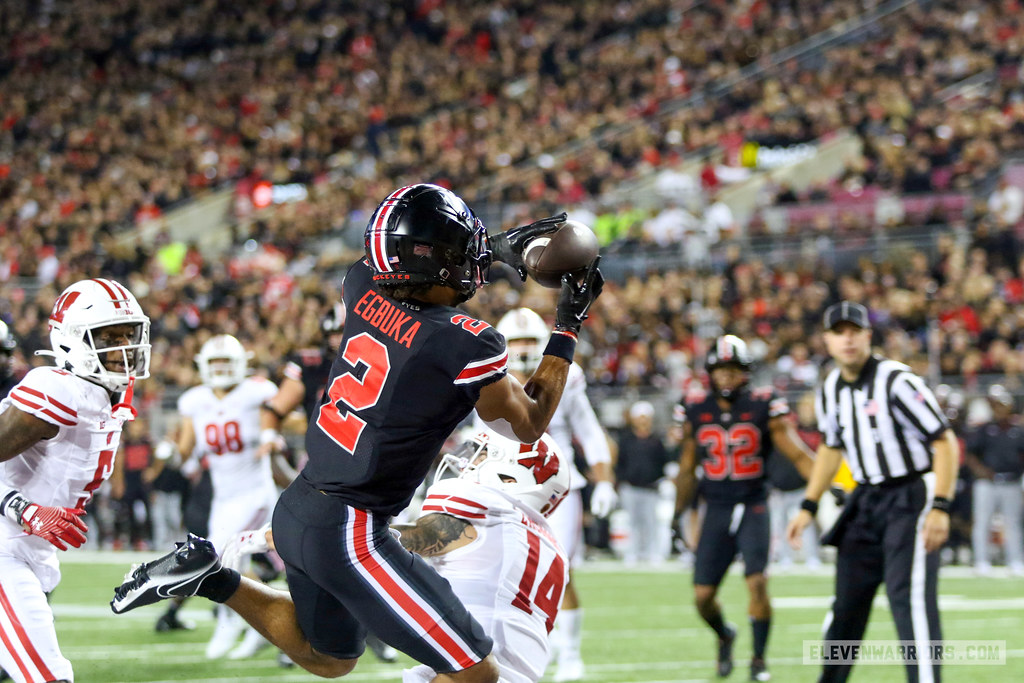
[569,249]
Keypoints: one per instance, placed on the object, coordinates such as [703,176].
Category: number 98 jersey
[406,375]
[733,445]
[227,431]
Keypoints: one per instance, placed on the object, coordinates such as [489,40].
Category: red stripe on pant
[407,602]
[26,643]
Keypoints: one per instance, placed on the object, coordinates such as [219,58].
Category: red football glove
[55,524]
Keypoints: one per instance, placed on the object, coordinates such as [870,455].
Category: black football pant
[879,540]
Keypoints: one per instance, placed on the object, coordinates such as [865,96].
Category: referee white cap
[846,312]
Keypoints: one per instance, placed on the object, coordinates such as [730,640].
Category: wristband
[268,435]
[809,505]
[272,410]
[941,503]
[562,343]
[13,505]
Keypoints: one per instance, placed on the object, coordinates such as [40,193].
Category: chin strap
[124,410]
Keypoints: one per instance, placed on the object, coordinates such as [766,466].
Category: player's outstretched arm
[788,442]
[272,413]
[826,464]
[436,534]
[523,412]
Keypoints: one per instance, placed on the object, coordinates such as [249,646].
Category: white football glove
[604,499]
[247,543]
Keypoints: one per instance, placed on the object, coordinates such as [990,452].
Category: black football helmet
[425,234]
[332,324]
[729,350]
[333,320]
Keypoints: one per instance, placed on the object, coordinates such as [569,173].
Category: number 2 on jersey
[352,393]
[731,454]
[549,592]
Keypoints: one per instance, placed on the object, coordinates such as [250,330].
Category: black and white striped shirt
[884,422]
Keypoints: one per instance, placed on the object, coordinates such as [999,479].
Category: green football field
[640,626]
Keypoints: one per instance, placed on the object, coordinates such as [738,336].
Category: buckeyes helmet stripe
[724,350]
[379,245]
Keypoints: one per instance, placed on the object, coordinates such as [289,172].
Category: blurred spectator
[1006,203]
[168,492]
[638,471]
[131,496]
[786,494]
[995,452]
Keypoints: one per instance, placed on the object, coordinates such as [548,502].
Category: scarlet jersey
[228,431]
[511,577]
[63,471]
[418,369]
[733,445]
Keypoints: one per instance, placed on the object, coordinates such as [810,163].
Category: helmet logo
[544,467]
[62,305]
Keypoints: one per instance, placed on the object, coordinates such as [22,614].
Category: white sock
[570,622]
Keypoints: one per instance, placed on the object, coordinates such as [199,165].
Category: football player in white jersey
[574,419]
[221,422]
[59,430]
[485,531]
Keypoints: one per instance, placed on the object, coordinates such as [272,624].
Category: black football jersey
[404,378]
[733,446]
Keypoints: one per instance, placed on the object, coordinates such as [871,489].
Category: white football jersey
[227,432]
[511,577]
[574,419]
[63,471]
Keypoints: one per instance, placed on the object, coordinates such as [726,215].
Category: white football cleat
[225,636]
[569,670]
[252,643]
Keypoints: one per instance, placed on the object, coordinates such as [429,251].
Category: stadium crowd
[113,113]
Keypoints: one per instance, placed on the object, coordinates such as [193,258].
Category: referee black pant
[879,538]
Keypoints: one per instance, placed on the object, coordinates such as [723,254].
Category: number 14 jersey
[511,577]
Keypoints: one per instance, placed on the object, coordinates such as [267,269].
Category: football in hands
[571,248]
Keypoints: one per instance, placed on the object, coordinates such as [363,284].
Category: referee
[904,457]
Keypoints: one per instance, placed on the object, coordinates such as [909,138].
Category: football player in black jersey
[304,379]
[730,434]
[303,383]
[411,366]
